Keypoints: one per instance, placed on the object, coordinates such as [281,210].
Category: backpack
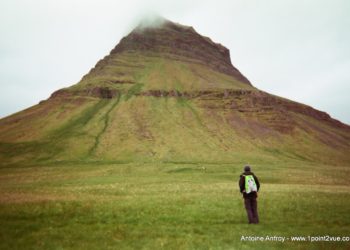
[250,185]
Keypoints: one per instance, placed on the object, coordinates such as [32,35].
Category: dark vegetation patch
[53,144]
[181,170]
[134,90]
[105,119]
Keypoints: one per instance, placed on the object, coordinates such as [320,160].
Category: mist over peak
[151,21]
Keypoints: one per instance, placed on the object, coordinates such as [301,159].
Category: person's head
[247,168]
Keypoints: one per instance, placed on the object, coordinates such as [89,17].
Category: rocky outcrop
[243,101]
[99,92]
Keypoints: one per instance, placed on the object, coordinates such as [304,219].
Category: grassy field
[169,206]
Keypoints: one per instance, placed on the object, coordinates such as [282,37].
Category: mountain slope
[166,93]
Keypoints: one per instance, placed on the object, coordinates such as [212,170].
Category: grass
[169,206]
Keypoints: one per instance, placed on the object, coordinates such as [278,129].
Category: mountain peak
[170,39]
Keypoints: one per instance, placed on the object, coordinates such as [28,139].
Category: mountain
[167,94]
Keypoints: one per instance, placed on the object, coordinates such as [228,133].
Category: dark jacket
[242,185]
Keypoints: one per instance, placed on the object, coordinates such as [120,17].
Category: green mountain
[165,93]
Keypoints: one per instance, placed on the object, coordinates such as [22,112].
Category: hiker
[249,186]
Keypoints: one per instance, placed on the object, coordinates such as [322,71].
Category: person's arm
[257,182]
[241,183]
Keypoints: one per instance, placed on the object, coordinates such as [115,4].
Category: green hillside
[165,103]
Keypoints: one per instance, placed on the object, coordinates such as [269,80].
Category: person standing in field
[249,186]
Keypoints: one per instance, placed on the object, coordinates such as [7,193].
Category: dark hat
[247,168]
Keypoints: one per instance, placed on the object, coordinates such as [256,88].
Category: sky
[297,49]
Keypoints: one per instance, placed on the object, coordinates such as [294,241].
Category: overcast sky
[295,49]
